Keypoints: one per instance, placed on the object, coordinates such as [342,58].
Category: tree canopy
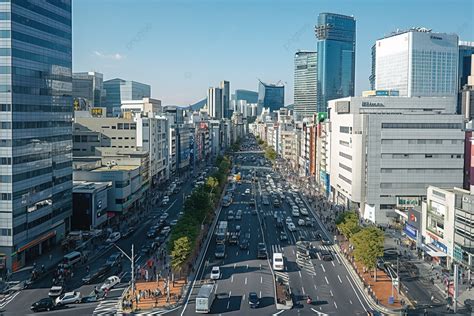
[348,224]
[368,246]
[180,252]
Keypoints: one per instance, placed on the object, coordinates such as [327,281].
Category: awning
[37,241]
[433,252]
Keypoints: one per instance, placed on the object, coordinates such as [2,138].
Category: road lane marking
[247,266]
[323,268]
[330,291]
[355,293]
[299,272]
[339,278]
[215,289]
[350,301]
[326,280]
[237,254]
[337,257]
[260,294]
[315,286]
[302,288]
[335,304]
[261,279]
[319,256]
[248,252]
[232,279]
[234,265]
[333,264]
[293,251]
[276,314]
[245,280]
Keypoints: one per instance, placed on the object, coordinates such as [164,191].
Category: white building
[417,62]
[385,150]
[214,103]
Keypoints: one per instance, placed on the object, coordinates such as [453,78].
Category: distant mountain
[199,105]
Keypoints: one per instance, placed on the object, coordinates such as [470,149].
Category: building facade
[35,129]
[305,89]
[336,36]
[225,87]
[88,87]
[247,95]
[214,103]
[270,96]
[118,90]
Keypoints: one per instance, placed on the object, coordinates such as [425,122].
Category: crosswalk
[108,307]
[277,248]
[7,299]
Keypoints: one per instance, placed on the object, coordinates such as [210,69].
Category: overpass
[250,152]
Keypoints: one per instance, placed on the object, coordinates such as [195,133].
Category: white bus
[205,298]
[72,258]
[278,261]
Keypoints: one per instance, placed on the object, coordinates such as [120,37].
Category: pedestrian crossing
[277,248]
[7,299]
[108,307]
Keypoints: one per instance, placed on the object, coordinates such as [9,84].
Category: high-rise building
[336,36]
[467,96]
[214,103]
[118,90]
[305,89]
[88,86]
[417,62]
[225,87]
[270,96]
[247,95]
[35,128]
[466,50]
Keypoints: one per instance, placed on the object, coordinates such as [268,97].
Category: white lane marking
[330,291]
[333,264]
[215,289]
[326,280]
[299,272]
[237,254]
[319,256]
[339,278]
[243,299]
[260,294]
[293,252]
[247,266]
[228,303]
[302,289]
[248,252]
[276,314]
[245,280]
[261,279]
[350,301]
[232,279]
[315,286]
[355,292]
[335,304]
[319,313]
[322,267]
[337,257]
[234,265]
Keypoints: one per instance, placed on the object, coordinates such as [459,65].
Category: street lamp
[132,260]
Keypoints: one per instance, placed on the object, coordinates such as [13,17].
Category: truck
[205,298]
[221,232]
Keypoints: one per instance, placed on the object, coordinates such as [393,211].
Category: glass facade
[305,93]
[270,96]
[118,90]
[89,86]
[247,95]
[36,128]
[336,57]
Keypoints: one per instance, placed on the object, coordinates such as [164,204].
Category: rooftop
[115,168]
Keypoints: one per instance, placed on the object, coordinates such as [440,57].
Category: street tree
[270,153]
[179,254]
[368,246]
[348,224]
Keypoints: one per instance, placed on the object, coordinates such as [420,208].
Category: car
[234,238]
[114,237]
[220,251]
[145,250]
[91,299]
[180,214]
[151,233]
[289,220]
[164,216]
[44,304]
[110,283]
[129,232]
[254,301]
[301,222]
[283,236]
[69,298]
[291,227]
[215,273]
[237,229]
[238,215]
[309,221]
[326,255]
[276,214]
[304,211]
[253,211]
[230,215]
[55,291]
[165,230]
[244,243]
[114,259]
[326,242]
[261,251]
[247,191]
[174,222]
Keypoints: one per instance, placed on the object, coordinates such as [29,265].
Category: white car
[304,211]
[55,291]
[174,222]
[289,220]
[301,222]
[69,298]
[291,227]
[110,283]
[215,273]
[247,191]
[114,237]
[164,216]
[165,230]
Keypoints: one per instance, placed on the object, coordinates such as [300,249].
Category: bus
[72,258]
[205,298]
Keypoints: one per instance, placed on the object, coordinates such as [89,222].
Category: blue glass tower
[35,128]
[336,36]
[270,96]
[118,90]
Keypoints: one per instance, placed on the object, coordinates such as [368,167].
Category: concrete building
[35,129]
[305,88]
[225,87]
[90,204]
[417,62]
[147,106]
[214,103]
[89,87]
[118,90]
[467,96]
[387,150]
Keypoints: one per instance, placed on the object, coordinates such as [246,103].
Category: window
[5,196]
[5,232]
[423,125]
[344,129]
[345,179]
[120,126]
[345,167]
[345,155]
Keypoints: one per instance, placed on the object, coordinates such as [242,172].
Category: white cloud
[115,56]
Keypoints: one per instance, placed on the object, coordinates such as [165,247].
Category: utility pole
[132,260]
[455,293]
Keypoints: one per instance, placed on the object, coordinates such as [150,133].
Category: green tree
[270,153]
[212,183]
[348,224]
[179,254]
[368,246]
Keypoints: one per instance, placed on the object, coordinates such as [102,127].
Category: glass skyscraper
[305,90]
[89,86]
[336,36]
[118,90]
[270,96]
[35,128]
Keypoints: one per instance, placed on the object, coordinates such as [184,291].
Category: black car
[128,232]
[244,243]
[283,236]
[45,304]
[254,301]
[151,233]
[262,251]
[326,255]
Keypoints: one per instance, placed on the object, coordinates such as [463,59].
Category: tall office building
[35,128]
[225,87]
[247,95]
[417,62]
[336,36]
[88,86]
[214,103]
[270,96]
[305,92]
[118,90]
[466,49]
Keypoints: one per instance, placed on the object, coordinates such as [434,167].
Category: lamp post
[132,260]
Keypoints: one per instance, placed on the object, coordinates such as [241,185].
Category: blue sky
[182,47]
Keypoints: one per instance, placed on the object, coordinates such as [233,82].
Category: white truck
[221,232]
[205,298]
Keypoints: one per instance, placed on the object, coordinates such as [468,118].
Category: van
[72,258]
[278,262]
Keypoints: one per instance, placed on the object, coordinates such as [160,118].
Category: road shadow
[224,304]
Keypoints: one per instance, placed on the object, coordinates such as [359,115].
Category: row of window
[423,125]
[34,108]
[31,90]
[35,41]
[31,174]
[122,126]
[34,140]
[345,167]
[34,124]
[345,129]
[39,26]
[27,4]
[86,138]
[344,143]
[421,156]
[345,179]
[5,196]
[345,155]
[18,53]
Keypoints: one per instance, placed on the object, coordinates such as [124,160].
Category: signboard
[76,105]
[407,201]
[342,106]
[97,112]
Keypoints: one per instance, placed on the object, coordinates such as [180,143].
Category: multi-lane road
[328,283]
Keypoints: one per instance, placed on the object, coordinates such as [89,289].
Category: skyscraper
[270,96]
[417,62]
[117,90]
[305,93]
[35,127]
[214,103]
[225,87]
[247,95]
[466,49]
[336,36]
[89,86]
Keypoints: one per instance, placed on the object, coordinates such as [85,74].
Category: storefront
[32,250]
